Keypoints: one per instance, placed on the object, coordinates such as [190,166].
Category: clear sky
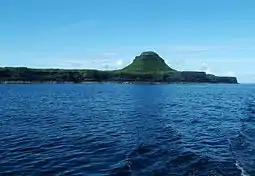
[216,36]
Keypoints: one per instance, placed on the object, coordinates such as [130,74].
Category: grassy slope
[150,66]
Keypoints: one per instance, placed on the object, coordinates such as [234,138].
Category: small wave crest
[243,172]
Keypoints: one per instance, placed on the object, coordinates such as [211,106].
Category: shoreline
[107,82]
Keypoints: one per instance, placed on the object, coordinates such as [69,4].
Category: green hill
[147,62]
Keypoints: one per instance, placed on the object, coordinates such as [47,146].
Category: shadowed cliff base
[149,67]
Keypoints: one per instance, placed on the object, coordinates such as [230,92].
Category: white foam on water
[244,173]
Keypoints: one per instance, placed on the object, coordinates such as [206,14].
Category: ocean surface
[114,129]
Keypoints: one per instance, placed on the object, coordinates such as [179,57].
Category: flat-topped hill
[150,66]
[147,62]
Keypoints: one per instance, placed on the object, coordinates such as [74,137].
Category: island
[148,67]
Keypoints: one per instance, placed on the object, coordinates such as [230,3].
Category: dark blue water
[113,129]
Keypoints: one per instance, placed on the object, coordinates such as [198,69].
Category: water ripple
[111,129]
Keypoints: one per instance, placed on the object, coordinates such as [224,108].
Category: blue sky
[213,36]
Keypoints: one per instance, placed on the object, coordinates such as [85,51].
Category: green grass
[148,64]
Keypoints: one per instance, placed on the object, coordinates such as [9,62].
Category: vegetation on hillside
[148,62]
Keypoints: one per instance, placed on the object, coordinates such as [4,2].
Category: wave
[243,172]
[152,160]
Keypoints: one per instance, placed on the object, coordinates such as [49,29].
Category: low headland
[148,67]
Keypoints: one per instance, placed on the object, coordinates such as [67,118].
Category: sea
[107,129]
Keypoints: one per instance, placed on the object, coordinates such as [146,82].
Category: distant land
[148,67]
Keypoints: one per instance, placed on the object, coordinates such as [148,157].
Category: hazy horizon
[216,37]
